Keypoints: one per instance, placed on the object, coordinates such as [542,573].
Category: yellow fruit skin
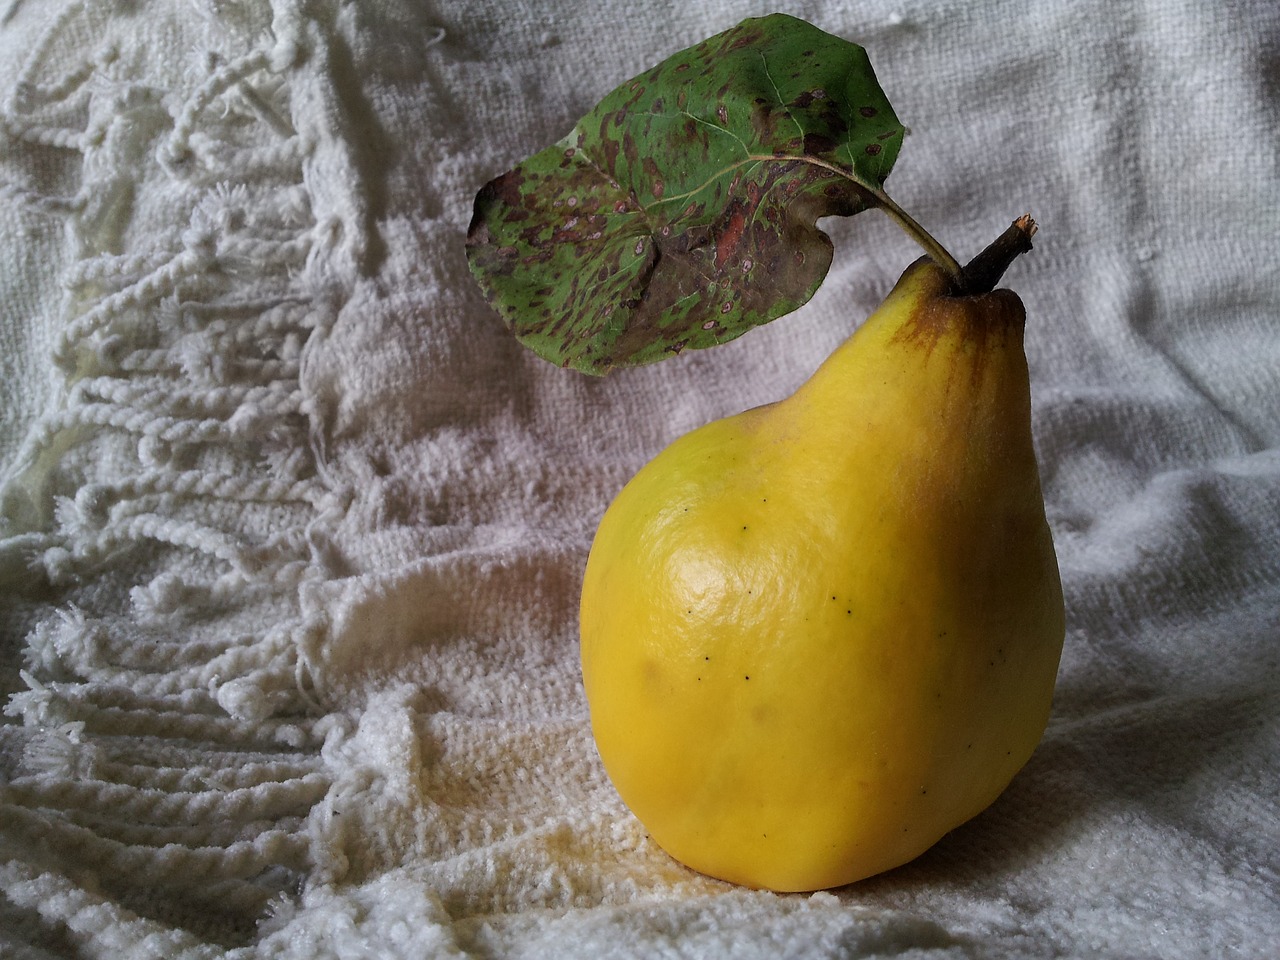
[820,634]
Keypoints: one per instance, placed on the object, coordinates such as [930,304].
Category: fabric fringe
[187,453]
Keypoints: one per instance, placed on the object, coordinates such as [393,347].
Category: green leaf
[681,211]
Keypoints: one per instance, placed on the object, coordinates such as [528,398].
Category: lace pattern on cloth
[162,527]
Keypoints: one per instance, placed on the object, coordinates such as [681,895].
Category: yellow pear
[820,634]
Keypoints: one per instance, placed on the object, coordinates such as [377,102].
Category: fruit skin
[820,634]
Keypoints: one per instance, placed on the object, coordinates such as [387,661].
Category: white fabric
[293,530]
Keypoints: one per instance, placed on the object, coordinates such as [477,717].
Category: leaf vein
[719,129]
[777,94]
[678,197]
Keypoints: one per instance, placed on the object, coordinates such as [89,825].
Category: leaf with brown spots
[681,211]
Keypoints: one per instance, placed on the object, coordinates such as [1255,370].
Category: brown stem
[983,272]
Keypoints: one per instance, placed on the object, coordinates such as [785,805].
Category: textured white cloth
[293,530]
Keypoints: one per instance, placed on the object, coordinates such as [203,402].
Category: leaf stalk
[936,251]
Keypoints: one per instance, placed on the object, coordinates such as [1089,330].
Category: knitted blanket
[292,530]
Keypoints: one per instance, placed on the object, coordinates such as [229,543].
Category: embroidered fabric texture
[291,530]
